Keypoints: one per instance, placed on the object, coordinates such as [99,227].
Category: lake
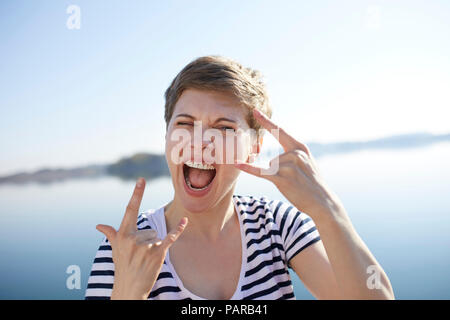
[398,201]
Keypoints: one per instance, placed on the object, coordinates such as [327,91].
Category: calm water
[399,202]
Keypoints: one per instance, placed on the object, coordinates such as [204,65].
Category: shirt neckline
[237,293]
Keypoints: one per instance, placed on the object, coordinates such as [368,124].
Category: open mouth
[198,176]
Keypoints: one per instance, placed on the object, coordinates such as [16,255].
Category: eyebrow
[217,120]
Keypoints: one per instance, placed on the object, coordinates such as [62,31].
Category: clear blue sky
[336,70]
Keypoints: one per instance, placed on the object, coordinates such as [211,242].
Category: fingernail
[139,183]
[184,221]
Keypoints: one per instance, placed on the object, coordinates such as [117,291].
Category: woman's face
[207,133]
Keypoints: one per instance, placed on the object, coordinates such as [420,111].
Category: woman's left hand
[295,174]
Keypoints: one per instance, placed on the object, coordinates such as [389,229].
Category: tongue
[200,178]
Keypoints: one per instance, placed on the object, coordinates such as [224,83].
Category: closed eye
[225,128]
[181,123]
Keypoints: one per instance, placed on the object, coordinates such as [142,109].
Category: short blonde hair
[217,73]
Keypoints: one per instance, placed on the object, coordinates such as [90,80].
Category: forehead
[201,103]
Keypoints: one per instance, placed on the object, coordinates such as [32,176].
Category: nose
[207,142]
[200,139]
[199,150]
[200,142]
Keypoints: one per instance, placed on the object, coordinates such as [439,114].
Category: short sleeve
[101,278]
[297,230]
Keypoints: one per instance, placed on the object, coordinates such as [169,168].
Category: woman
[225,246]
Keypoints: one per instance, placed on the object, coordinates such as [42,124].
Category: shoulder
[249,202]
[274,208]
[282,214]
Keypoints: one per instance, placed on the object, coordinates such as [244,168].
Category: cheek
[176,143]
[168,150]
[240,149]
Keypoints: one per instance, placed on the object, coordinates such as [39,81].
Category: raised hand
[294,173]
[138,255]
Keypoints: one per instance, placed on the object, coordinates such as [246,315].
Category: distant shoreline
[152,166]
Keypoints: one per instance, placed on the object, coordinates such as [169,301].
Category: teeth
[193,188]
[205,166]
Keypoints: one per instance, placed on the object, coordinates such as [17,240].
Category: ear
[260,142]
[256,149]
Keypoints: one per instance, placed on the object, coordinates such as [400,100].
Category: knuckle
[157,250]
[121,235]
[300,157]
[130,239]
[299,153]
[144,247]
[171,238]
[303,152]
[285,170]
[292,170]
[153,245]
[292,156]
[307,150]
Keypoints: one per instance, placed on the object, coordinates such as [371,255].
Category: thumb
[174,234]
[108,231]
[266,173]
[249,168]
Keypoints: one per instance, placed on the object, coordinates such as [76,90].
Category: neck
[207,225]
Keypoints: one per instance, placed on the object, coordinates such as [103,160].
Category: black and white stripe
[274,232]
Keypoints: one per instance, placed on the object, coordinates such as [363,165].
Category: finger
[130,217]
[108,231]
[155,241]
[286,140]
[145,235]
[250,169]
[174,234]
[257,171]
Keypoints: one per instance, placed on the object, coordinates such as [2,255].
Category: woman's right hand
[138,255]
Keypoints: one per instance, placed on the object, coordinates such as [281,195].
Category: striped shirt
[272,233]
